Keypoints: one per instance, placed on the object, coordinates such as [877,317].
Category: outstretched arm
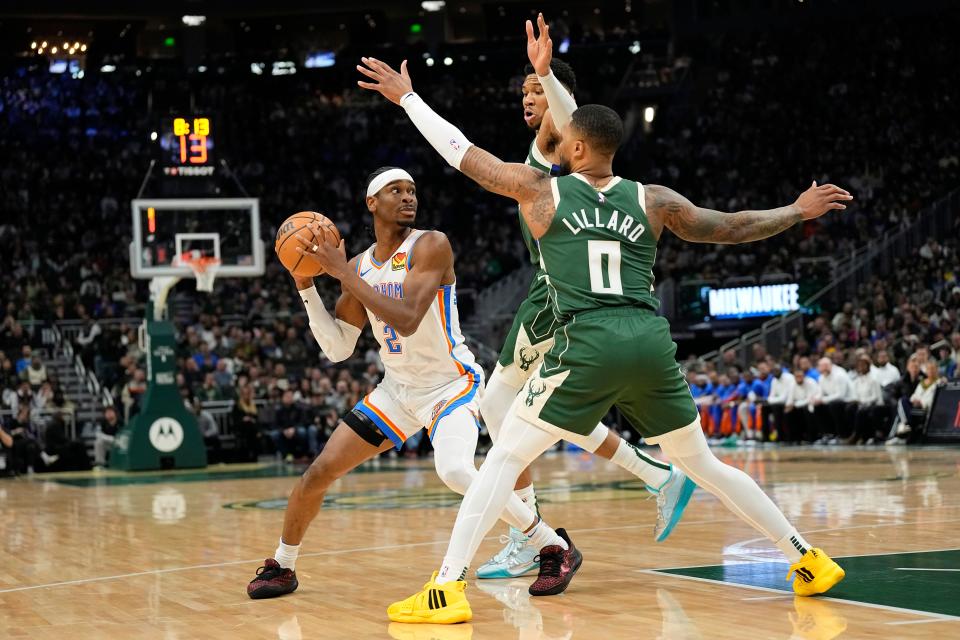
[529,187]
[540,53]
[667,208]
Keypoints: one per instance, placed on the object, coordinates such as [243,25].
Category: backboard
[223,228]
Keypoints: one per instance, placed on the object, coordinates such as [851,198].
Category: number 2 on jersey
[393,340]
[604,280]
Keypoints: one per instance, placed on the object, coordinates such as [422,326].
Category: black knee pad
[364,427]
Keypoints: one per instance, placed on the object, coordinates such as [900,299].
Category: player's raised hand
[540,49]
[817,200]
[389,83]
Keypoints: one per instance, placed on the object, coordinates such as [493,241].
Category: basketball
[286,243]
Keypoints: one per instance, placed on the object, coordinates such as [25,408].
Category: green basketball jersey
[532,159]
[599,251]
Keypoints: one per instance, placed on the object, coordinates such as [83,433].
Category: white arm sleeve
[336,338]
[561,103]
[443,136]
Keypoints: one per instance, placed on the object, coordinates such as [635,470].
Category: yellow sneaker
[437,603]
[815,573]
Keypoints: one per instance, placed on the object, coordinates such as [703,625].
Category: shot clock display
[186,144]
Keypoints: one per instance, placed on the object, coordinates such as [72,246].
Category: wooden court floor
[168,555]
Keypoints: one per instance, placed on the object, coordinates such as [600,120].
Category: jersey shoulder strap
[536,159]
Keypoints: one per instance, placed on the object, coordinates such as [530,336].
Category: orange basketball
[287,243]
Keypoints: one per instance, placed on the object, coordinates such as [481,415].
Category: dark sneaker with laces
[272,580]
[557,567]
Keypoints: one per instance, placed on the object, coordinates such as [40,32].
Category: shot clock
[186,145]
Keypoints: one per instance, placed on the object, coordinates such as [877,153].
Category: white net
[204,269]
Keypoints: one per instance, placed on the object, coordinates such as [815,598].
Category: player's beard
[407,223]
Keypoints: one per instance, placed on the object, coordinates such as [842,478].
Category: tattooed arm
[528,186]
[667,208]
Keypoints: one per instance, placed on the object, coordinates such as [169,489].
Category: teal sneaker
[517,558]
[672,499]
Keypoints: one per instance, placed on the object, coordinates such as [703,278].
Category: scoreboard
[187,146]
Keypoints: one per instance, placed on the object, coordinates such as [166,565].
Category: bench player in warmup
[598,235]
[531,336]
[404,285]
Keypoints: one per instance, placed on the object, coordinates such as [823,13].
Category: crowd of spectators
[865,373]
[870,112]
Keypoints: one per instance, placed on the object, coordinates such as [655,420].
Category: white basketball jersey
[435,354]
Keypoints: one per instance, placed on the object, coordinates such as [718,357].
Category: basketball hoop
[204,268]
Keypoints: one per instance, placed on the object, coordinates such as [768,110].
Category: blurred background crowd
[740,120]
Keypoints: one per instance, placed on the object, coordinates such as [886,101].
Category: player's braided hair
[562,70]
[601,126]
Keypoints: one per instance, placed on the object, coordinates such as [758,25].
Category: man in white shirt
[798,411]
[776,401]
[831,406]
[866,409]
[884,371]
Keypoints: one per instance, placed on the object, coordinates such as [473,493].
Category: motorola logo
[166,435]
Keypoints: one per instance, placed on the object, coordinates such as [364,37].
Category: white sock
[542,535]
[793,546]
[451,570]
[648,469]
[286,555]
[529,497]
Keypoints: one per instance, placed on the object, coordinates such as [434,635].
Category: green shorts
[531,335]
[621,357]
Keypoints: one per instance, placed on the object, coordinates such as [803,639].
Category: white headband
[386,178]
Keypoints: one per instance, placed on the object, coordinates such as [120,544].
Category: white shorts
[399,410]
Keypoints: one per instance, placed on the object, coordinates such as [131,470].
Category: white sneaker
[672,499]
[895,442]
[517,558]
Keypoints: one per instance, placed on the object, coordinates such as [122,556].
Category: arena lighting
[649,114]
[416,27]
[194,21]
[447,61]
[54,50]
[635,47]
[107,68]
[153,136]
[256,68]
[283,68]
[202,69]
[33,45]
[43,45]
[83,47]
[433,5]
[564,45]
[429,62]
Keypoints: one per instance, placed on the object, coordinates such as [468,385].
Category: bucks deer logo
[534,390]
[525,361]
